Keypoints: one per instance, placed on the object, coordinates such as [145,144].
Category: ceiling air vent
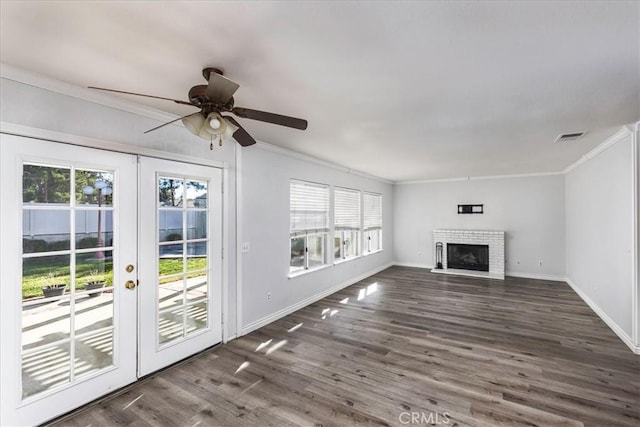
[563,137]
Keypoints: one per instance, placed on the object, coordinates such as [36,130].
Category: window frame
[367,231]
[306,233]
[340,230]
[339,234]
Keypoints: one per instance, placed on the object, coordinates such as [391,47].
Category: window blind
[309,207]
[346,209]
[372,204]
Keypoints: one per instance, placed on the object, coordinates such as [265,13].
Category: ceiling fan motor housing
[206,72]
[198,97]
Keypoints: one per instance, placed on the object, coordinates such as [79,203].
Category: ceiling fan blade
[220,88]
[276,119]
[177,101]
[172,121]
[241,135]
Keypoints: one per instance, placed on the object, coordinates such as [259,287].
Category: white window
[346,223]
[372,207]
[309,210]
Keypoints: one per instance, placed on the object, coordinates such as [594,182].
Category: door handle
[130,284]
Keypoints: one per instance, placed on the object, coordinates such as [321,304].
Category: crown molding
[613,139]
[310,159]
[478,178]
[16,74]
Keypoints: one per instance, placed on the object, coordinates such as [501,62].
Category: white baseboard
[536,276]
[297,306]
[605,318]
[411,264]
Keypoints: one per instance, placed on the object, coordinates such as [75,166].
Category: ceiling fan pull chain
[220,143]
[211,144]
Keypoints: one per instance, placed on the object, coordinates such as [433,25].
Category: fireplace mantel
[493,238]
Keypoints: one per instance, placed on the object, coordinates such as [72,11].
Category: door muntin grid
[67,319]
[183,258]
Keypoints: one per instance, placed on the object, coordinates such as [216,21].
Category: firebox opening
[468,257]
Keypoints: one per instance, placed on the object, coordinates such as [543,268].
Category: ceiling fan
[213,100]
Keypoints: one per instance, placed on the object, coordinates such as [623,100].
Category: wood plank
[483,352]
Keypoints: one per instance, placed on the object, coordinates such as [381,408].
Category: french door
[107,272]
[180,261]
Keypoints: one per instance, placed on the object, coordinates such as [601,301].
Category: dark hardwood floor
[416,349]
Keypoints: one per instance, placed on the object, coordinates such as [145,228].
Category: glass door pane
[182,257]
[67,302]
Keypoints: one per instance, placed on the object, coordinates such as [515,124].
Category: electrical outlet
[245,247]
[268,296]
[540,263]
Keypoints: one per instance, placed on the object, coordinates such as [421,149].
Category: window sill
[374,252]
[307,271]
[342,261]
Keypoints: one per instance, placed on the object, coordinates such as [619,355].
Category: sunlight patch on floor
[263,345]
[372,288]
[299,325]
[242,366]
[133,401]
[276,347]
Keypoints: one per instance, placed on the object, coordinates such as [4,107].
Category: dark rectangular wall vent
[569,136]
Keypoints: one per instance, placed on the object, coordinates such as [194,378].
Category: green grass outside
[39,272]
[169,266]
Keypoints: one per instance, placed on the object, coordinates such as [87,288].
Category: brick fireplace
[493,239]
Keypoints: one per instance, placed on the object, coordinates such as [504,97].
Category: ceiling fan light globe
[229,131]
[204,134]
[193,123]
[215,124]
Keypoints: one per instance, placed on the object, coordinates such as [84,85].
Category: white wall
[600,216]
[53,110]
[265,225]
[529,209]
[636,143]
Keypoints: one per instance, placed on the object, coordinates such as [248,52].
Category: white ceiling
[401,90]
